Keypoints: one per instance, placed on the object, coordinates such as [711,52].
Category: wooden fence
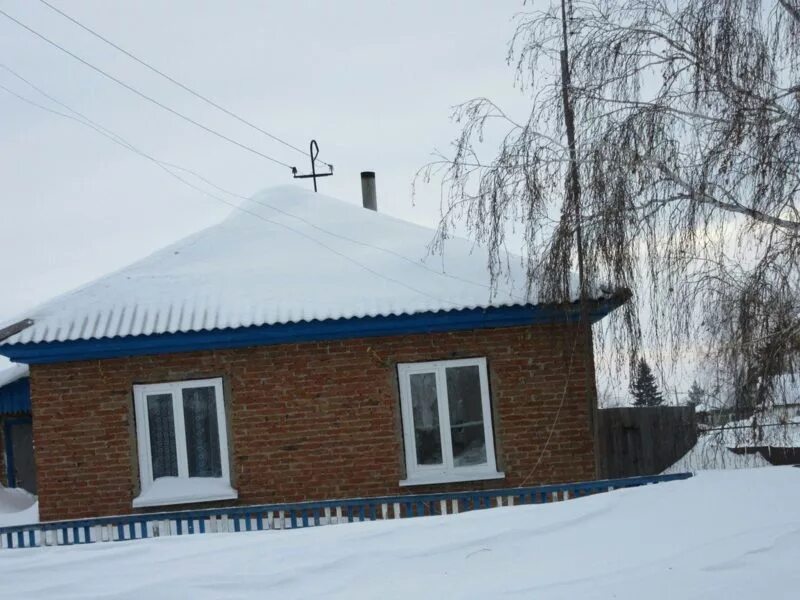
[298,515]
[643,441]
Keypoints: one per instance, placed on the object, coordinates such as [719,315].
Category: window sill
[453,477]
[166,491]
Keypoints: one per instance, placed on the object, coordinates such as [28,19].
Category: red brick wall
[312,420]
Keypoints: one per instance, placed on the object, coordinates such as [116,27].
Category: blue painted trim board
[306,331]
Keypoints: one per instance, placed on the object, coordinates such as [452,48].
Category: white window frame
[197,489]
[447,472]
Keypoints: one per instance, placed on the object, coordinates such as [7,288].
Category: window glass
[162,435]
[466,415]
[447,424]
[426,418]
[202,433]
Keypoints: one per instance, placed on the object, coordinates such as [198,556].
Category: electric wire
[142,94]
[164,166]
[105,131]
[340,236]
[171,79]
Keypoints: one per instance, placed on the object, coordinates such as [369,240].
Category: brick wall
[312,420]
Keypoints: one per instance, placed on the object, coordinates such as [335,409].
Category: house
[302,349]
[17,468]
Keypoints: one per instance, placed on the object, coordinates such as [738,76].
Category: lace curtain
[162,435]
[202,432]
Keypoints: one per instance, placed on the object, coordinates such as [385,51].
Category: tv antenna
[313,152]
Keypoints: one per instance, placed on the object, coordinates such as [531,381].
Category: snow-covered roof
[12,374]
[287,255]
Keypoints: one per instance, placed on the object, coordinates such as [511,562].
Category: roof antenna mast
[313,152]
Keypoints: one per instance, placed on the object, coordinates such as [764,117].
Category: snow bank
[725,534]
[17,507]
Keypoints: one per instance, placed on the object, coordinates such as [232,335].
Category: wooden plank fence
[299,515]
[643,441]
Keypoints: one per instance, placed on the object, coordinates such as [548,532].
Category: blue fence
[300,514]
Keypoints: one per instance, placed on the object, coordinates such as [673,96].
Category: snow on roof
[12,374]
[287,255]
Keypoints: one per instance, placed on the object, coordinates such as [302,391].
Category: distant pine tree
[644,388]
[697,395]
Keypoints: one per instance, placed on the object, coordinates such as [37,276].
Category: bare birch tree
[687,115]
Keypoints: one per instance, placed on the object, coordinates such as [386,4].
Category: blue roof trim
[306,331]
[15,397]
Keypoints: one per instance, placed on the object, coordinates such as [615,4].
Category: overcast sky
[373,81]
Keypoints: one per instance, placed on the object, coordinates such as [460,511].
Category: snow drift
[17,507]
[728,534]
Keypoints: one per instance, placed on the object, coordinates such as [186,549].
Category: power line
[411,261]
[757,426]
[171,79]
[83,120]
[389,251]
[143,95]
[105,131]
[124,143]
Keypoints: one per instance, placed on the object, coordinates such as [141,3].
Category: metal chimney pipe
[368,195]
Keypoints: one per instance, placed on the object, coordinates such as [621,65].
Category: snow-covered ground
[722,534]
[779,428]
[17,507]
[711,453]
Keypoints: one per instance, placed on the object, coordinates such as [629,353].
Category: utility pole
[573,189]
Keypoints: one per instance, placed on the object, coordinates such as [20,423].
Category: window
[447,421]
[183,443]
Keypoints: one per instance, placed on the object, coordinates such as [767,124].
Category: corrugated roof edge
[309,331]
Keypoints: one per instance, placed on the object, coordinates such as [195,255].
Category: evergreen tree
[697,395]
[644,388]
